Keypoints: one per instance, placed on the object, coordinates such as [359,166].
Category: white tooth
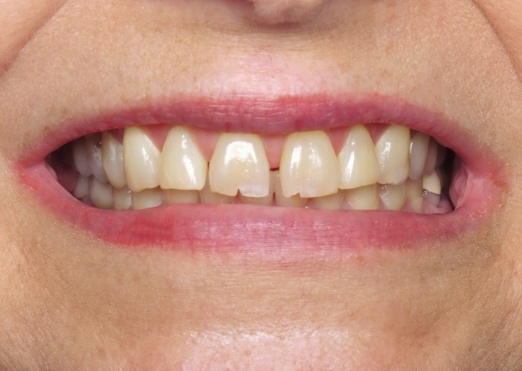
[263,201]
[431,183]
[122,198]
[357,162]
[209,197]
[183,165]
[147,199]
[393,197]
[141,160]
[431,159]
[419,146]
[112,154]
[80,158]
[175,196]
[93,147]
[309,166]
[100,194]
[392,150]
[280,199]
[414,195]
[330,202]
[82,187]
[239,164]
[364,198]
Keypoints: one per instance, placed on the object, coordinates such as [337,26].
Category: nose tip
[286,11]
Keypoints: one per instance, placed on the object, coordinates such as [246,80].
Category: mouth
[232,174]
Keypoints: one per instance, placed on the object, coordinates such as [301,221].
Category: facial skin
[69,300]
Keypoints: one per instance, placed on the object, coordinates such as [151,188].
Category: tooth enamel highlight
[330,202]
[174,196]
[100,194]
[431,183]
[393,197]
[239,164]
[147,199]
[363,198]
[82,187]
[357,163]
[112,154]
[183,166]
[93,146]
[414,195]
[80,158]
[141,160]
[209,197]
[392,151]
[283,201]
[419,146]
[122,198]
[309,166]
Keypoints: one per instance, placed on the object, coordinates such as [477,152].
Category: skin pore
[72,300]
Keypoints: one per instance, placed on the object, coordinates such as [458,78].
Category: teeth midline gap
[385,167]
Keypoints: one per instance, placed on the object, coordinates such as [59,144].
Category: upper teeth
[308,168]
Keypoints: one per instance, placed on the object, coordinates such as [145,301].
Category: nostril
[286,11]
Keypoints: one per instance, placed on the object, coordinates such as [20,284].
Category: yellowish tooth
[100,194]
[392,151]
[431,159]
[93,147]
[147,199]
[363,198]
[414,195]
[112,153]
[419,146]
[268,200]
[174,196]
[82,187]
[122,198]
[330,202]
[141,160]
[432,183]
[183,165]
[393,197]
[309,166]
[81,162]
[357,163]
[239,164]
[280,199]
[208,197]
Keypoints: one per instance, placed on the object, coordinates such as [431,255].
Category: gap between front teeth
[397,172]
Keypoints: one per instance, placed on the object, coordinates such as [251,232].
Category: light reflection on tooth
[419,146]
[431,159]
[330,202]
[93,147]
[175,196]
[112,154]
[82,187]
[309,166]
[280,199]
[209,197]
[414,195]
[100,194]
[147,199]
[122,198]
[393,197]
[363,198]
[183,165]
[80,157]
[392,151]
[357,163]
[239,164]
[141,160]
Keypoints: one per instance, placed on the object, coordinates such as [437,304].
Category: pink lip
[273,230]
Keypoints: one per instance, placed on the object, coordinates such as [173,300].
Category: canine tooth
[330,202]
[147,199]
[112,154]
[94,155]
[239,164]
[357,161]
[100,194]
[141,160]
[431,183]
[209,197]
[393,197]
[175,196]
[363,198]
[431,159]
[80,157]
[82,187]
[419,146]
[309,166]
[280,199]
[122,198]
[183,165]
[414,195]
[392,150]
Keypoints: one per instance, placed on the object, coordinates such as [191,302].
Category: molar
[392,150]
[80,159]
[93,147]
[141,160]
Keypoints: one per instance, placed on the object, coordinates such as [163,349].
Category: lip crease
[273,230]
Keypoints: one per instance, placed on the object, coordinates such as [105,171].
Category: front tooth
[431,183]
[419,146]
[112,151]
[239,164]
[414,195]
[393,197]
[141,160]
[147,199]
[175,196]
[363,198]
[100,194]
[392,150]
[93,147]
[81,161]
[283,201]
[122,198]
[183,165]
[330,202]
[357,162]
[309,166]
[209,197]
[268,200]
